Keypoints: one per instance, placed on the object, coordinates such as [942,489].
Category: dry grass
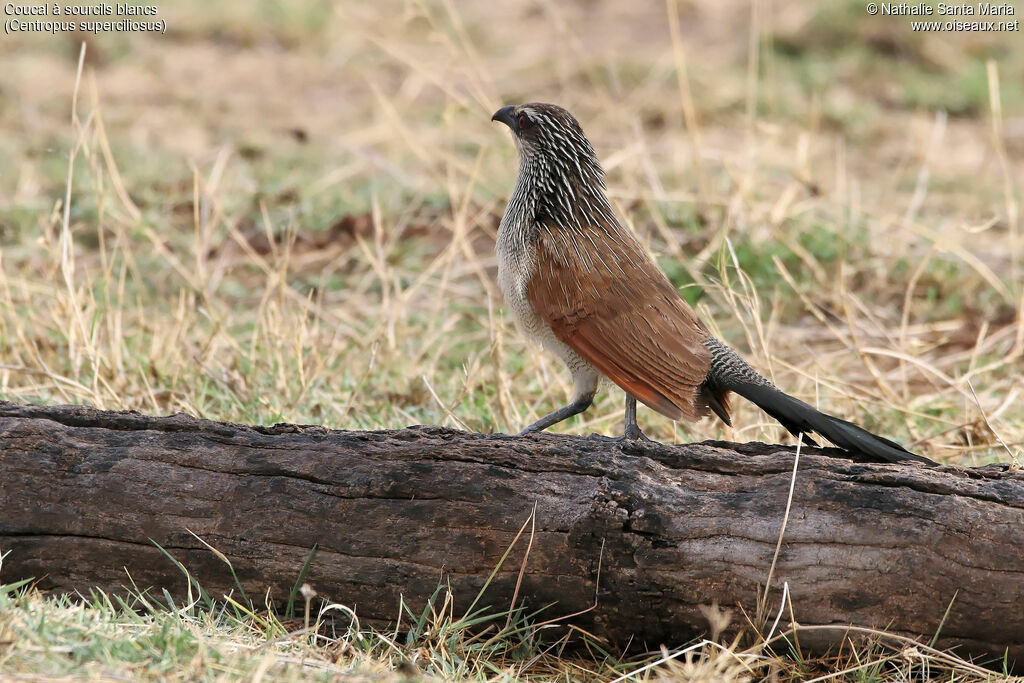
[286,212]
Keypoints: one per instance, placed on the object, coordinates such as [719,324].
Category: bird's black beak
[505,116]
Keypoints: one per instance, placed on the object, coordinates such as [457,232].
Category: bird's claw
[607,439]
[633,433]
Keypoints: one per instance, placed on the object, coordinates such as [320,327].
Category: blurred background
[285,211]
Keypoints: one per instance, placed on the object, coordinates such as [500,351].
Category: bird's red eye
[523,121]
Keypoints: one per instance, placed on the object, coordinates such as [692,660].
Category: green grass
[285,211]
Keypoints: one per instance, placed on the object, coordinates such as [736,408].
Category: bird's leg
[579,404]
[632,430]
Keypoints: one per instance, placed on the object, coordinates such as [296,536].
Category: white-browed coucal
[579,283]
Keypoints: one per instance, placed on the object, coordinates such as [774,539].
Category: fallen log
[653,531]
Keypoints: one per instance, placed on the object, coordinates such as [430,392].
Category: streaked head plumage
[546,129]
[561,182]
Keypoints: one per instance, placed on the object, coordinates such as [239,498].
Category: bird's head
[549,134]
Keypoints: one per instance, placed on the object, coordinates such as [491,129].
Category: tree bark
[652,531]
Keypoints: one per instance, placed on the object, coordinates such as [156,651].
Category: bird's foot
[633,433]
[606,439]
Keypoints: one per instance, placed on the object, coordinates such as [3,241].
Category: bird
[578,281]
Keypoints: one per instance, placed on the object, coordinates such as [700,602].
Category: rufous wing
[605,298]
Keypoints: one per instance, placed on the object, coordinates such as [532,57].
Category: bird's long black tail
[797,417]
[729,372]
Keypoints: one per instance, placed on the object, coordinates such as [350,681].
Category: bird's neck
[562,193]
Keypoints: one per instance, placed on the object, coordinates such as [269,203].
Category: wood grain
[84,494]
